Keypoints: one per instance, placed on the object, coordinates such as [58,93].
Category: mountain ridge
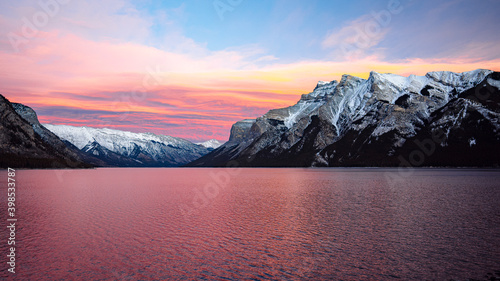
[128,149]
[385,120]
[23,144]
[365,122]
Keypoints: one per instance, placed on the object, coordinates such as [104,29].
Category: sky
[191,69]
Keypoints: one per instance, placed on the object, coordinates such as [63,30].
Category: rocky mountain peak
[367,121]
[241,130]
[27,113]
[24,143]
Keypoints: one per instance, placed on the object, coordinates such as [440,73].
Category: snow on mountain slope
[307,105]
[347,101]
[211,144]
[385,109]
[145,148]
[343,100]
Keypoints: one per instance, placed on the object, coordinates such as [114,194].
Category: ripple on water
[127,224]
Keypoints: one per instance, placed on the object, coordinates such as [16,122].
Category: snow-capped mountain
[374,122]
[121,148]
[210,144]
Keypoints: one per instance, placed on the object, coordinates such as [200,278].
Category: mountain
[127,149]
[440,119]
[210,144]
[26,144]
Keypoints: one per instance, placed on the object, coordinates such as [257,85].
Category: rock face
[63,147]
[126,149]
[24,143]
[240,138]
[384,120]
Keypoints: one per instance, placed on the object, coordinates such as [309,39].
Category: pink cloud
[73,80]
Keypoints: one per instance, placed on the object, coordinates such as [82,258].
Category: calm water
[258,224]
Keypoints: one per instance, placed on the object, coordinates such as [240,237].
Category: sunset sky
[192,68]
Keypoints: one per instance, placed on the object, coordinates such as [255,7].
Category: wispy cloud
[355,40]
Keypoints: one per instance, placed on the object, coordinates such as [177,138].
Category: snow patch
[213,143]
[494,83]
[472,141]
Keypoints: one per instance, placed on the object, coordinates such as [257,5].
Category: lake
[254,224]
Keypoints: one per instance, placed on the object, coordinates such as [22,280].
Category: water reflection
[130,224]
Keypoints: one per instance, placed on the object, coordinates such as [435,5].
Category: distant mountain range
[25,143]
[210,144]
[127,149]
[440,119]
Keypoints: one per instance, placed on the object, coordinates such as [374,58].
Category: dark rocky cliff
[22,145]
